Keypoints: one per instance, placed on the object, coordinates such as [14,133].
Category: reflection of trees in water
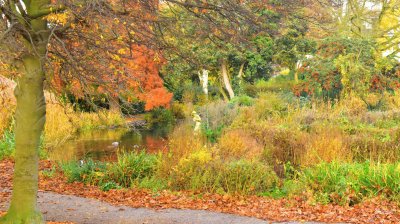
[156,144]
[98,144]
[151,141]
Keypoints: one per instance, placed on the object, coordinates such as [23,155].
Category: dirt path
[66,208]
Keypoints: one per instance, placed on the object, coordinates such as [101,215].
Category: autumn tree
[123,56]
[86,45]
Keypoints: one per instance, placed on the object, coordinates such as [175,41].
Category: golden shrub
[353,105]
[327,145]
[238,143]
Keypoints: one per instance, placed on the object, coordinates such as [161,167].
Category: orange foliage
[144,66]
[106,62]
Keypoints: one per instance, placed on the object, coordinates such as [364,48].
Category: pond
[104,144]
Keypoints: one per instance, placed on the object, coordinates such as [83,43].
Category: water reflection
[104,144]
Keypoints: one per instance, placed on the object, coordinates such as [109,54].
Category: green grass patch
[7,144]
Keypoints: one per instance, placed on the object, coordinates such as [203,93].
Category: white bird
[115,144]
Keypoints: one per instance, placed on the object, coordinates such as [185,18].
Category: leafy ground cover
[375,210]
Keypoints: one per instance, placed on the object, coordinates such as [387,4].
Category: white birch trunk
[225,77]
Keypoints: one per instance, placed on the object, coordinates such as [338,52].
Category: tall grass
[62,122]
[350,183]
[132,169]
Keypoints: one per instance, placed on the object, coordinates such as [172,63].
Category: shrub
[270,104]
[247,177]
[353,106]
[326,146]
[84,171]
[179,111]
[213,134]
[131,168]
[203,171]
[218,114]
[343,183]
[238,143]
[243,100]
[128,171]
[109,186]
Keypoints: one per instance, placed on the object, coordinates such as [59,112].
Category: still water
[104,144]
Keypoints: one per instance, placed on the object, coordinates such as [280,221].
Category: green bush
[243,100]
[213,134]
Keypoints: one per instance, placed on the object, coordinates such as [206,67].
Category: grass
[350,183]
[7,144]
[131,169]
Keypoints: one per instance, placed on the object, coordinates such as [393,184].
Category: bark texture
[30,118]
[225,77]
[30,113]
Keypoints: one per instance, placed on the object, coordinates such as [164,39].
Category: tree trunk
[222,91]
[203,76]
[240,77]
[240,74]
[225,76]
[30,117]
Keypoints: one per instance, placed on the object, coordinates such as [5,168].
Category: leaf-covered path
[67,208]
[87,204]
